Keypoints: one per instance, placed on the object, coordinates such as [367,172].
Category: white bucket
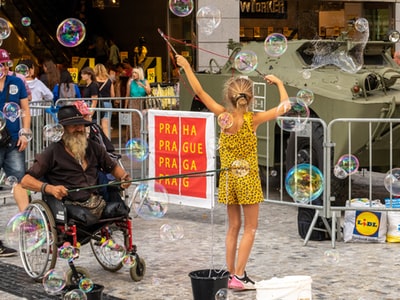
[286,288]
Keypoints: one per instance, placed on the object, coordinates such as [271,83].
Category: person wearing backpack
[66,88]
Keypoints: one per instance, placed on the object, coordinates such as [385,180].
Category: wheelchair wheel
[138,271]
[108,259]
[38,249]
[73,279]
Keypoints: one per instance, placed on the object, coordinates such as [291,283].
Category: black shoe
[5,251]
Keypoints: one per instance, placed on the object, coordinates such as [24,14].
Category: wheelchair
[57,228]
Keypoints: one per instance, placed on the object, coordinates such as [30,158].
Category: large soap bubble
[246,61]
[5,29]
[295,116]
[137,149]
[392,181]
[75,294]
[208,19]
[71,32]
[22,69]
[304,183]
[275,44]
[225,120]
[171,232]
[11,111]
[151,200]
[181,8]
[346,52]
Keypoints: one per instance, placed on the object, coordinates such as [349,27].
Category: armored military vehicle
[370,91]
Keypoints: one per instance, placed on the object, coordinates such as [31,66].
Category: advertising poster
[183,143]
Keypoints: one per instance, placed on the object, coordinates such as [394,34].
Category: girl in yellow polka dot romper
[238,143]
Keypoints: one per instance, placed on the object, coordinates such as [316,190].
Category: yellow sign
[151,75]
[74,74]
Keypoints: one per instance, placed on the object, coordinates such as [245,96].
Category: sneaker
[244,283]
[5,251]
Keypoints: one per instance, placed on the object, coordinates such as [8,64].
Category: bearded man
[72,163]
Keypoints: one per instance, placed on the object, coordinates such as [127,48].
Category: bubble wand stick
[166,40]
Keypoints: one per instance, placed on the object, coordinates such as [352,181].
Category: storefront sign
[183,143]
[274,9]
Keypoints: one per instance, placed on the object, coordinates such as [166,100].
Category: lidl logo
[367,223]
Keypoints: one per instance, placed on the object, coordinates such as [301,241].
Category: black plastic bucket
[206,283]
[95,294]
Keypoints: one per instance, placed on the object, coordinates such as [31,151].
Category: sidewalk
[362,272]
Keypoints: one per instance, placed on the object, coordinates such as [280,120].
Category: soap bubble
[394,36]
[27,133]
[71,32]
[304,183]
[306,74]
[295,116]
[246,61]
[11,111]
[171,232]
[113,252]
[12,233]
[53,282]
[361,25]
[67,251]
[222,294]
[137,149]
[5,29]
[392,181]
[181,8]
[86,285]
[151,200]
[3,121]
[34,230]
[22,69]
[306,95]
[11,181]
[75,294]
[53,132]
[240,167]
[347,164]
[208,19]
[346,54]
[275,44]
[331,256]
[225,120]
[26,21]
[129,261]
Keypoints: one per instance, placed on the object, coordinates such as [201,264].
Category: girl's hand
[181,61]
[272,79]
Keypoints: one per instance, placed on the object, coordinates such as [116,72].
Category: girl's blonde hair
[101,71]
[139,71]
[238,89]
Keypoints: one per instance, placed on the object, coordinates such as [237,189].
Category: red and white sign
[183,142]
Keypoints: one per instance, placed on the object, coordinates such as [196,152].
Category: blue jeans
[12,161]
[107,104]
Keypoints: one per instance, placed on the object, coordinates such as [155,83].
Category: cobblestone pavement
[362,272]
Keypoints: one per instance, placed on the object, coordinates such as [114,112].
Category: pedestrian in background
[12,149]
[136,87]
[106,90]
[238,141]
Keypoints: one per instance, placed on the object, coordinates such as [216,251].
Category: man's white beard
[76,143]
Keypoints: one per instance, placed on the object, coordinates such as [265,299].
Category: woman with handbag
[106,90]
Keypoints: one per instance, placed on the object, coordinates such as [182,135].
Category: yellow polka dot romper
[234,189]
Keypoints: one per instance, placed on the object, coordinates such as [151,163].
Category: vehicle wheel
[138,271]
[108,259]
[40,256]
[73,279]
